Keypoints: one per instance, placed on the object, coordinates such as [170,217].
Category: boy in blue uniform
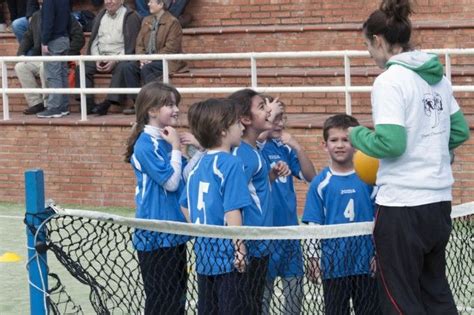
[211,198]
[338,196]
[153,149]
[286,259]
[254,114]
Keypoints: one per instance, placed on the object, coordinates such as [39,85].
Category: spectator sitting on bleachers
[175,7]
[160,33]
[28,71]
[20,24]
[114,32]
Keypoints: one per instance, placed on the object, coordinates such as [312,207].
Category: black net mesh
[124,270]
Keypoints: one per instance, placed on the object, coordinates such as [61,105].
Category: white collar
[152,131]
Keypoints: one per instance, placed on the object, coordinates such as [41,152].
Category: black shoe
[38,108]
[90,107]
[101,109]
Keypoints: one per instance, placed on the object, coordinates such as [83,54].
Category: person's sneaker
[50,113]
[64,111]
[38,108]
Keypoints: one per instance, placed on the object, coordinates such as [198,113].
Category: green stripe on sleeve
[387,141]
[459,130]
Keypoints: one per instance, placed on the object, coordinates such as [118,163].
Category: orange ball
[366,167]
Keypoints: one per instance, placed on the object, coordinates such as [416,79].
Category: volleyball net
[132,266]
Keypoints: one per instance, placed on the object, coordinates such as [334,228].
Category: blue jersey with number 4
[214,187]
[335,198]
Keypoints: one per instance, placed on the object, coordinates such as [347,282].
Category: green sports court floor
[14,296]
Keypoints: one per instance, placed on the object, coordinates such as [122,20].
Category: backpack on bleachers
[85,18]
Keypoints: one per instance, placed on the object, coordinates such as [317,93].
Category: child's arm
[307,167]
[234,218]
[186,214]
[314,254]
[170,135]
[188,139]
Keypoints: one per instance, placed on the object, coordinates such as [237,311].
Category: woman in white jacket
[417,122]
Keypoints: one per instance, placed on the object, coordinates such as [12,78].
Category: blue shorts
[286,259]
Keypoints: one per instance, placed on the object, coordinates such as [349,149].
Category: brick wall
[83,164]
[267,12]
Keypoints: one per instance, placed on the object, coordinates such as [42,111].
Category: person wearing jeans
[20,24]
[29,71]
[55,17]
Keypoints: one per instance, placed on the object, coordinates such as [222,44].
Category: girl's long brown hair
[153,94]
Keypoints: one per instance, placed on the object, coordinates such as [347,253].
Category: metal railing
[347,88]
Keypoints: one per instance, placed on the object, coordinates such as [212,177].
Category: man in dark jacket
[29,71]
[114,32]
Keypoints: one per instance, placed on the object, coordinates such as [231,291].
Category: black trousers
[164,273]
[410,245]
[254,284]
[362,289]
[222,294]
[117,80]
[134,75]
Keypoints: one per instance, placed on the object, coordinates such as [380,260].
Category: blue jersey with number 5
[214,187]
[335,198]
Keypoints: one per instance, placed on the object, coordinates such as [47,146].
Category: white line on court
[11,217]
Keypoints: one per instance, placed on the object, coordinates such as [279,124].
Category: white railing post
[253,72]
[447,58]
[6,109]
[166,72]
[82,85]
[347,83]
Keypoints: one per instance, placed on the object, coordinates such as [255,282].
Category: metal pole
[347,77]
[37,263]
[6,109]
[82,84]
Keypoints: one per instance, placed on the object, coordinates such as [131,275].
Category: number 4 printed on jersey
[349,212]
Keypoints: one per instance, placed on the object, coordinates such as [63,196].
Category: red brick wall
[84,165]
[266,12]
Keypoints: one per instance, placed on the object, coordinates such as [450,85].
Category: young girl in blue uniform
[417,121]
[254,114]
[286,259]
[211,198]
[153,149]
[338,196]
